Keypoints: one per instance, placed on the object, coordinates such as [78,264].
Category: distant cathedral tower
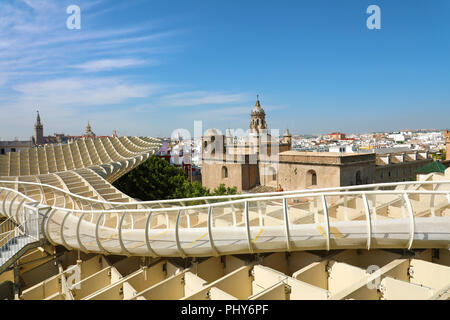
[258,121]
[88,132]
[38,131]
[287,138]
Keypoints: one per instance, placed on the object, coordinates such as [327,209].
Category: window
[272,173]
[224,172]
[381,175]
[311,178]
[2,151]
[213,151]
[358,178]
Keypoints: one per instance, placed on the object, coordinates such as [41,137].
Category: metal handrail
[237,196]
[18,231]
[219,204]
[6,224]
[278,200]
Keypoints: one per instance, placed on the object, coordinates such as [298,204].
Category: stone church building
[246,162]
[262,160]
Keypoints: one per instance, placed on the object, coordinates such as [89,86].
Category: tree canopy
[156,179]
[441,156]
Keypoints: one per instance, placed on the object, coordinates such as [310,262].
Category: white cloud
[110,64]
[44,66]
[35,31]
[195,98]
[77,92]
[3,79]
[232,112]
[39,5]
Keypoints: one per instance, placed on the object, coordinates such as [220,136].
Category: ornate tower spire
[287,138]
[257,104]
[88,132]
[258,117]
[38,131]
[38,119]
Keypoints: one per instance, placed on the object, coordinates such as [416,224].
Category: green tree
[188,190]
[222,190]
[441,156]
[156,179]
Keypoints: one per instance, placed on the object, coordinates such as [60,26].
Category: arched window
[224,172]
[213,150]
[272,173]
[358,178]
[205,144]
[311,178]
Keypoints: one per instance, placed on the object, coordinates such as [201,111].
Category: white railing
[6,226]
[325,219]
[210,199]
[20,235]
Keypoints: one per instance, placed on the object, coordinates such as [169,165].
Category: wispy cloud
[101,72]
[81,92]
[197,98]
[45,65]
[232,112]
[110,64]
[35,31]
[3,78]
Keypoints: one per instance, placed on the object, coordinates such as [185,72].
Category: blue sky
[147,67]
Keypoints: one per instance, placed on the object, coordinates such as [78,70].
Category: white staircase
[17,239]
[10,249]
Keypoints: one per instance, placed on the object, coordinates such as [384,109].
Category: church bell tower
[38,131]
[258,118]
